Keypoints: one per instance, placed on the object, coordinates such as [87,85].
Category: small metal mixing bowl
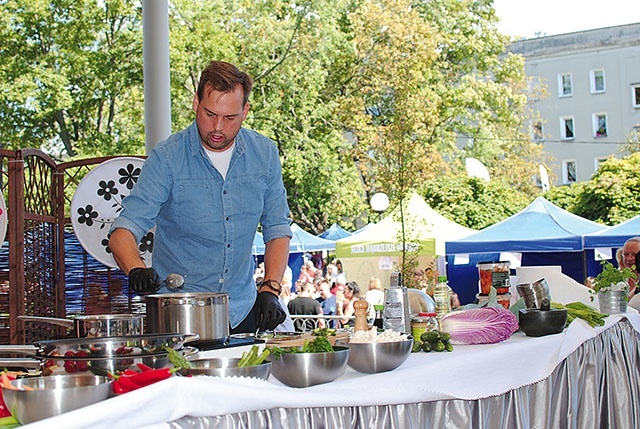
[54,395]
[226,367]
[309,369]
[378,357]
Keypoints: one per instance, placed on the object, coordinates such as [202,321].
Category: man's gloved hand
[268,311]
[144,281]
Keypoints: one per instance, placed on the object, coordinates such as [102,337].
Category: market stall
[583,377]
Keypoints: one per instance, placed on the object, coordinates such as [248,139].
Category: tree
[290,52]
[473,202]
[71,76]
[612,194]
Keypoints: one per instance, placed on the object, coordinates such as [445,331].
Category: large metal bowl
[226,367]
[309,369]
[378,357]
[54,395]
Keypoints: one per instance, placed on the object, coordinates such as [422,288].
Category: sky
[525,18]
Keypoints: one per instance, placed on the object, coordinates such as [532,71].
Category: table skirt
[596,386]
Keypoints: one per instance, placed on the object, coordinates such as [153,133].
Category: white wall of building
[613,53]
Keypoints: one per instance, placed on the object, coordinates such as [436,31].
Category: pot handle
[20,363]
[189,338]
[24,349]
[52,320]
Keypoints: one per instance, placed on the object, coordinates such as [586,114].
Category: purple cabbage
[487,325]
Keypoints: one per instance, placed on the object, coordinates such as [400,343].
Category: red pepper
[4,411]
[131,380]
[144,368]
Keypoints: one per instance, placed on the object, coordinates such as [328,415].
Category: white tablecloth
[469,372]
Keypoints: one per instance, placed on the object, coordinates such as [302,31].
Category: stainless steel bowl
[226,367]
[309,369]
[378,357]
[54,395]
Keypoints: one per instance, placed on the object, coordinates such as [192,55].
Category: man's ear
[194,103]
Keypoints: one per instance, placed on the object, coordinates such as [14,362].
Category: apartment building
[592,101]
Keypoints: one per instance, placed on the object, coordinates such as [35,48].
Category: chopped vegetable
[176,359]
[325,332]
[486,325]
[318,345]
[587,313]
[252,358]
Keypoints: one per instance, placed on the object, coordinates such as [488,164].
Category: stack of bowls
[534,293]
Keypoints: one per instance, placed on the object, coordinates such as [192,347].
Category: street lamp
[379,202]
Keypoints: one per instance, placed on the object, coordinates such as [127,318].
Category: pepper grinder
[361,310]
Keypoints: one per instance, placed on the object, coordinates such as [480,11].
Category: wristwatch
[274,285]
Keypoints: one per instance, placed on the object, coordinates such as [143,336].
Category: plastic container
[494,274]
[421,323]
[442,297]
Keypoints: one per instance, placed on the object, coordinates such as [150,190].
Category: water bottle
[442,297]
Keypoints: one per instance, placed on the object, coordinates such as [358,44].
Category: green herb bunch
[610,276]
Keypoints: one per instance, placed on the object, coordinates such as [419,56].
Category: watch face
[98,201]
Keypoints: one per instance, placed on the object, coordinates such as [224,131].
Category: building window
[635,95]
[597,81]
[599,124]
[565,85]
[537,131]
[569,170]
[598,162]
[566,128]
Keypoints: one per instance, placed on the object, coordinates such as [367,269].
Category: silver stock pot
[203,313]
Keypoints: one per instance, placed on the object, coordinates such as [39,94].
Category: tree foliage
[71,76]
[612,194]
[360,96]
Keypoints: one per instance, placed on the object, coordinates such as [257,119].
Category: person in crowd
[339,284]
[375,295]
[345,301]
[304,304]
[331,273]
[630,249]
[118,301]
[327,301]
[307,272]
[96,301]
[619,257]
[206,188]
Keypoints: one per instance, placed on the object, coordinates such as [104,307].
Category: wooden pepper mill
[361,310]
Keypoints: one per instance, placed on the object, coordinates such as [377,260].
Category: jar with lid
[421,323]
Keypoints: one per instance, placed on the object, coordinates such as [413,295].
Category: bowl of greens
[315,362]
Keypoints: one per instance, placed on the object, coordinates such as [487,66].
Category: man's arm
[125,250]
[276,257]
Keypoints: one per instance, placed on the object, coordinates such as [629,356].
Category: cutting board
[298,340]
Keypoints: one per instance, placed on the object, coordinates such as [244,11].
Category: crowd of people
[326,291]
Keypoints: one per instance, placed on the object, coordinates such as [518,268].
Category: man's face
[219,116]
[629,253]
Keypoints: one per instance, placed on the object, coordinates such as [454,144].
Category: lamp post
[379,202]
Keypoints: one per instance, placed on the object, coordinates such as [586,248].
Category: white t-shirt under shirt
[221,160]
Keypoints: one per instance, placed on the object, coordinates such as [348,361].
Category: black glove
[268,312]
[144,281]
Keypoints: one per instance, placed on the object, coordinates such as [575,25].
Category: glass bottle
[442,297]
[377,321]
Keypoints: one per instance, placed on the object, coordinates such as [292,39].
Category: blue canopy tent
[544,233]
[614,236]
[335,232]
[301,242]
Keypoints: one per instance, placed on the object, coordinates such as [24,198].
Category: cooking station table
[581,378]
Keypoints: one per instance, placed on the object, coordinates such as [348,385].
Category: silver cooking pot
[202,313]
[100,325]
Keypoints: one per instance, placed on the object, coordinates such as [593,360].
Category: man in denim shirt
[205,189]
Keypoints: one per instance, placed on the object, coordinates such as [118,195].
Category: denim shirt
[205,224]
